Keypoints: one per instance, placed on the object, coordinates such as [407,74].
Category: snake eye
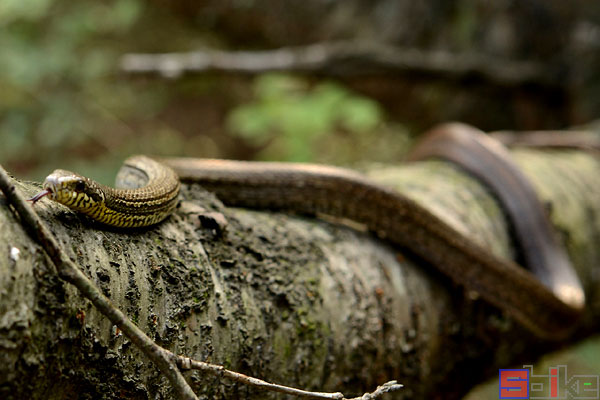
[80,186]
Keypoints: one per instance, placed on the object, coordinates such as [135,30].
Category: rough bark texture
[293,300]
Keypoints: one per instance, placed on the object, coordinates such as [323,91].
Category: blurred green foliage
[57,59]
[65,104]
[295,119]
[289,116]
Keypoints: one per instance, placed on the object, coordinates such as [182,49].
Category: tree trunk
[292,300]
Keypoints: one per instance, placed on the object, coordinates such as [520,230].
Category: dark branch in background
[344,59]
[167,362]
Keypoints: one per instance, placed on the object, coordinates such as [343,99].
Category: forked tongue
[38,196]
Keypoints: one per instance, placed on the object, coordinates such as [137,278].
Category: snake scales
[546,298]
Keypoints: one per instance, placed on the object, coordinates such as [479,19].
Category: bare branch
[218,370]
[342,59]
[387,387]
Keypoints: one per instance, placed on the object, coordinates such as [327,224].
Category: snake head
[72,190]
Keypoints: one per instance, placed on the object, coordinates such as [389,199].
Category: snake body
[122,208]
[542,300]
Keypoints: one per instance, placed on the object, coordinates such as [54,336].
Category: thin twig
[67,270]
[218,370]
[387,387]
[167,362]
[343,59]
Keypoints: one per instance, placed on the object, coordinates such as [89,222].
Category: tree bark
[289,299]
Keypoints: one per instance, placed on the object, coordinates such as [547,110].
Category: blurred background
[68,100]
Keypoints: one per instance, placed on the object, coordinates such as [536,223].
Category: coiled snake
[547,298]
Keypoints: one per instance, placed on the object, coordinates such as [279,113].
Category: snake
[545,296]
